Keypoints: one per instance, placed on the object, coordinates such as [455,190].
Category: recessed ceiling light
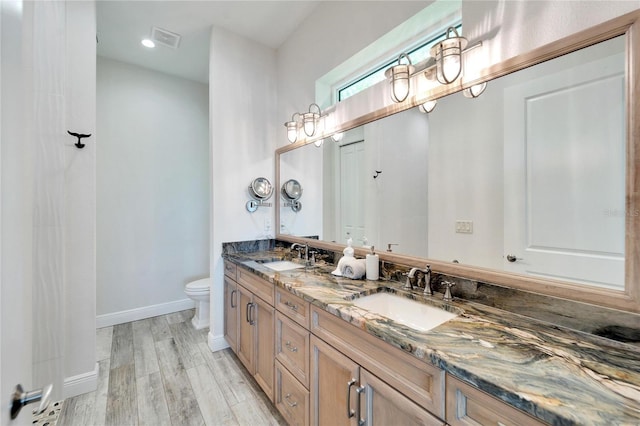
[148,43]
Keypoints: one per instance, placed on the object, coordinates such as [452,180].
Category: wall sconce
[337,137]
[292,128]
[427,106]
[310,120]
[475,90]
[399,76]
[448,56]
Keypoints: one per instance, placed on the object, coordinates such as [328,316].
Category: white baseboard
[121,317]
[216,343]
[82,383]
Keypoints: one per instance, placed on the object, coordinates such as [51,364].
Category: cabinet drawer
[421,382]
[292,399]
[292,348]
[293,306]
[467,405]
[261,288]
[230,270]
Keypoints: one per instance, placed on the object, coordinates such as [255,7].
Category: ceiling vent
[166,38]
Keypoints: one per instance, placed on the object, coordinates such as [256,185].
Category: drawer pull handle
[350,412]
[359,391]
[250,307]
[291,347]
[291,404]
[291,306]
[233,293]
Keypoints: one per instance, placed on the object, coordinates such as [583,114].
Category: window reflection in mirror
[534,169]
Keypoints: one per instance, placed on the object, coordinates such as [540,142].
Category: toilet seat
[199,286]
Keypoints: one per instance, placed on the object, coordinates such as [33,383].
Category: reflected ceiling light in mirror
[399,77]
[427,106]
[292,128]
[148,43]
[310,120]
[337,137]
[448,56]
[319,143]
[475,90]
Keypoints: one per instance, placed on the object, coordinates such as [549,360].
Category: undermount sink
[405,311]
[282,265]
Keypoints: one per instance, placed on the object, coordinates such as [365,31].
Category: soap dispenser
[348,251]
[373,264]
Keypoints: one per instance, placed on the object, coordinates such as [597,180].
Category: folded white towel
[354,268]
[338,271]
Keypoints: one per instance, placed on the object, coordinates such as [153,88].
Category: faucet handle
[312,259]
[447,292]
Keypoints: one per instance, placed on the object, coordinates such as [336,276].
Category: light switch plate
[464,227]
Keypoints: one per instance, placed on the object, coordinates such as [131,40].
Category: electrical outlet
[464,227]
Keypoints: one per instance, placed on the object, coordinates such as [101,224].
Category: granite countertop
[556,374]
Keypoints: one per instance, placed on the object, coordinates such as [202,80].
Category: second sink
[405,311]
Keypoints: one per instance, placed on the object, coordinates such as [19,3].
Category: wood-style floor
[160,371]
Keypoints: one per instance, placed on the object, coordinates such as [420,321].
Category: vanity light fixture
[399,77]
[337,137]
[475,90]
[427,106]
[292,128]
[310,120]
[448,56]
[319,143]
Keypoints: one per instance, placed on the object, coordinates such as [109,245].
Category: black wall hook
[378,173]
[80,136]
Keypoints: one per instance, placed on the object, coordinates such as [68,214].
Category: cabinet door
[246,329]
[231,313]
[264,316]
[383,405]
[334,378]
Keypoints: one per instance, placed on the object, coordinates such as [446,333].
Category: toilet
[199,291]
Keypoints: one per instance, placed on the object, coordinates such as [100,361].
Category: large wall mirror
[530,185]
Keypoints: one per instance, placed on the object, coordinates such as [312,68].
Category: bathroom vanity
[323,360]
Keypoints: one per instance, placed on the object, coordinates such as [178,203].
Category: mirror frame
[627,299]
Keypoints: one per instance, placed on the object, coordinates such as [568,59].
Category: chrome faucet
[301,247]
[427,279]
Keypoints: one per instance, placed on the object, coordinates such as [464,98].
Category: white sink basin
[282,265]
[400,309]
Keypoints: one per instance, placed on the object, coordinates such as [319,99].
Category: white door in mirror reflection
[351,196]
[564,186]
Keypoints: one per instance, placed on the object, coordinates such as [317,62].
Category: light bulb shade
[399,77]
[309,123]
[448,56]
[428,106]
[337,137]
[319,143]
[475,90]
[310,120]
[292,128]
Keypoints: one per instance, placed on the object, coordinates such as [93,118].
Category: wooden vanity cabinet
[344,393]
[292,358]
[252,319]
[231,313]
[354,372]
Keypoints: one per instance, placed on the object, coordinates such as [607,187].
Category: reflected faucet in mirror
[423,274]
